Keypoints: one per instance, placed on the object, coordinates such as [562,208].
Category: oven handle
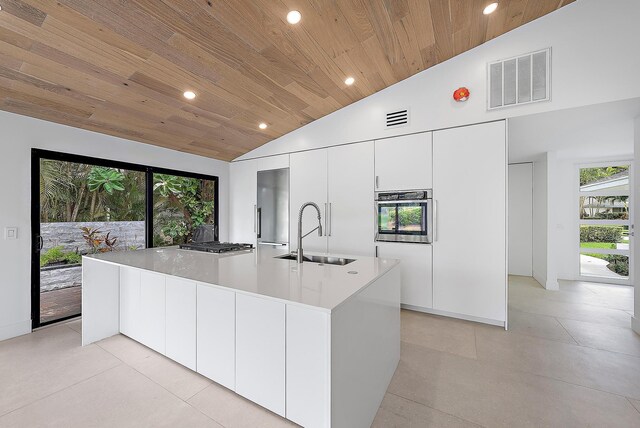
[412,201]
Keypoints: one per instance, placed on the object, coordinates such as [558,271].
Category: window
[604,221]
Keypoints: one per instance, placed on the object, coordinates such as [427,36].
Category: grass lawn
[608,245]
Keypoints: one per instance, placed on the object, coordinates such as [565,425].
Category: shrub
[601,233]
[618,264]
[58,255]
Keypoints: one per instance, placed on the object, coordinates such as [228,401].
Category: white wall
[540,220]
[635,320]
[591,64]
[19,135]
[521,219]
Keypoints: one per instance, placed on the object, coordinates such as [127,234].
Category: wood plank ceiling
[120,67]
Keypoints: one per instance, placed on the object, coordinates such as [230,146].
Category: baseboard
[635,324]
[454,315]
[13,330]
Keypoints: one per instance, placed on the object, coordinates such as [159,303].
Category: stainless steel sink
[326,260]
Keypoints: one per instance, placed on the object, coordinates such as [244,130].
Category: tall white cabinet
[469,252]
[404,162]
[340,180]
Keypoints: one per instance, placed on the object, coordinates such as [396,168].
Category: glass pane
[180,206]
[387,218]
[604,207]
[410,218]
[84,209]
[607,178]
[604,237]
[613,266]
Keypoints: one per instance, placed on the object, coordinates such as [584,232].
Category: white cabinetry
[417,275]
[152,310]
[181,321]
[340,181]
[469,252]
[404,163]
[308,183]
[243,200]
[130,302]
[260,351]
[308,367]
[273,162]
[216,335]
[350,215]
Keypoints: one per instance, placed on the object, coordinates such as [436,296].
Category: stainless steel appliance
[215,247]
[406,216]
[272,210]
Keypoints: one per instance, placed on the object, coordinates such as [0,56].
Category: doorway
[85,206]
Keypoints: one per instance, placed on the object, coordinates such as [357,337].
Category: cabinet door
[273,162]
[217,335]
[469,252]
[260,351]
[404,163]
[130,302]
[181,321]
[416,271]
[308,179]
[152,310]
[350,216]
[242,201]
[308,367]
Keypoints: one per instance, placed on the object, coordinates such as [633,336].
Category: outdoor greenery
[591,175]
[181,205]
[618,264]
[601,233]
[58,255]
[75,192]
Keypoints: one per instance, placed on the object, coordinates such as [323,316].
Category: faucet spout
[300,255]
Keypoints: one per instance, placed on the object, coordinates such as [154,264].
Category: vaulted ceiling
[120,67]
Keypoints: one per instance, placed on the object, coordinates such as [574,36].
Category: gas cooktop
[215,246]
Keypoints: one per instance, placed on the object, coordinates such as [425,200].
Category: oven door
[404,221]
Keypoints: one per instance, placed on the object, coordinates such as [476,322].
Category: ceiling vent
[520,80]
[397,118]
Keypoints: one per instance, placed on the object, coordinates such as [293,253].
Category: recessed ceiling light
[189,95]
[294,17]
[262,126]
[349,81]
[490,9]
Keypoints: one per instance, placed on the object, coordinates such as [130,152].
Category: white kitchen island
[317,344]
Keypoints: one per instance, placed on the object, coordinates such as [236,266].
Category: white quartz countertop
[257,272]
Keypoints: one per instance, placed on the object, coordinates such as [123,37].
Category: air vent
[397,118]
[520,80]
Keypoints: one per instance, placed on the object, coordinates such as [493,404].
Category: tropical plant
[58,255]
[107,179]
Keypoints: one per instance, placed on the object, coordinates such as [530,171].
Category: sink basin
[327,260]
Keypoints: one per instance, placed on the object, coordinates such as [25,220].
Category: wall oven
[405,216]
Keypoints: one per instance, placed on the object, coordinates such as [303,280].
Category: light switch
[10,233]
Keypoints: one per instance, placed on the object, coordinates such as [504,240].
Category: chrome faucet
[300,254]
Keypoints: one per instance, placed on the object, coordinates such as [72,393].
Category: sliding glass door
[83,206]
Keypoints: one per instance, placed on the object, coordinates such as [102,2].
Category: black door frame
[36,241]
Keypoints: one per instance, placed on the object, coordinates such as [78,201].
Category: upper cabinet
[404,163]
[351,210]
[308,183]
[243,200]
[273,162]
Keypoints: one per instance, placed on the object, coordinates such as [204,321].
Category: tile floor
[569,359]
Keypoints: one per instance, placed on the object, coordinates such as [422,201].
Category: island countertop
[257,271]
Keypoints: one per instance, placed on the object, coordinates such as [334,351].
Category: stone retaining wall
[62,277]
[68,235]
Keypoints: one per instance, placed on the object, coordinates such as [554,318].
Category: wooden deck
[62,303]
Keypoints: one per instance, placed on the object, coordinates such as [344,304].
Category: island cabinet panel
[416,269]
[181,321]
[100,299]
[130,302]
[405,162]
[216,335]
[260,351]
[350,216]
[308,367]
[153,311]
[308,183]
